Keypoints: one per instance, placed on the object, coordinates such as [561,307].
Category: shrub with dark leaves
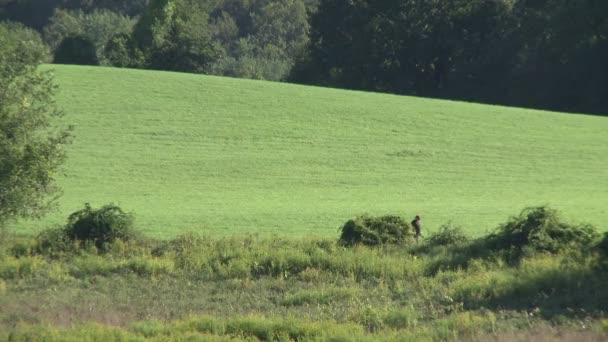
[373,231]
[101,226]
[540,229]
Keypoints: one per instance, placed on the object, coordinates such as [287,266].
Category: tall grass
[258,288]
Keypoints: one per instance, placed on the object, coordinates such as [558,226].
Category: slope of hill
[221,156]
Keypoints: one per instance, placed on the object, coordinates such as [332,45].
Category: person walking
[417,224]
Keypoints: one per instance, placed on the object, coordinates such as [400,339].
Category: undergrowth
[523,277]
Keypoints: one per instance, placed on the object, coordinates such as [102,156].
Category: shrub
[101,226]
[54,243]
[540,229]
[603,244]
[20,249]
[372,231]
[76,50]
[448,234]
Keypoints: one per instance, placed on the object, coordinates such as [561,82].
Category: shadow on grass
[575,292]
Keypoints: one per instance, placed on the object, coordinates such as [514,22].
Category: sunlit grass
[226,156]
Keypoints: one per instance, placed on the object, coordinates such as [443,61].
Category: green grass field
[225,156]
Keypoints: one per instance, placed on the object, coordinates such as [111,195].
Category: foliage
[101,226]
[253,40]
[121,52]
[174,35]
[261,38]
[373,231]
[603,244]
[448,234]
[98,26]
[527,53]
[54,243]
[38,13]
[31,143]
[540,229]
[544,54]
[277,23]
[31,47]
[290,289]
[253,62]
[76,50]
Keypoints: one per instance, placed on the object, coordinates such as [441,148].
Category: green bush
[54,243]
[373,231]
[540,229]
[101,226]
[448,234]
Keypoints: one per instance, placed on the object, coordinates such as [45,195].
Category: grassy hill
[221,156]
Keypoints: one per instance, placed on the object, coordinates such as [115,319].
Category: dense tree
[539,53]
[120,51]
[562,58]
[31,144]
[37,13]
[98,26]
[262,38]
[174,35]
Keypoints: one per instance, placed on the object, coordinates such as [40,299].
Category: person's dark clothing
[417,227]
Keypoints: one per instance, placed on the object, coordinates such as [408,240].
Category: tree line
[535,53]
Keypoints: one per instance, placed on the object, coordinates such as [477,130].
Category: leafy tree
[31,144]
[98,26]
[537,53]
[121,52]
[174,35]
[38,13]
[262,38]
[33,47]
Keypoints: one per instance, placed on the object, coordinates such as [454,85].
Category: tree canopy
[535,53]
[548,53]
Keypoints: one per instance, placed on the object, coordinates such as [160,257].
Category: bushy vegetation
[448,234]
[31,49]
[296,289]
[540,229]
[104,229]
[522,53]
[101,226]
[96,27]
[603,244]
[374,231]
[474,50]
[32,137]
